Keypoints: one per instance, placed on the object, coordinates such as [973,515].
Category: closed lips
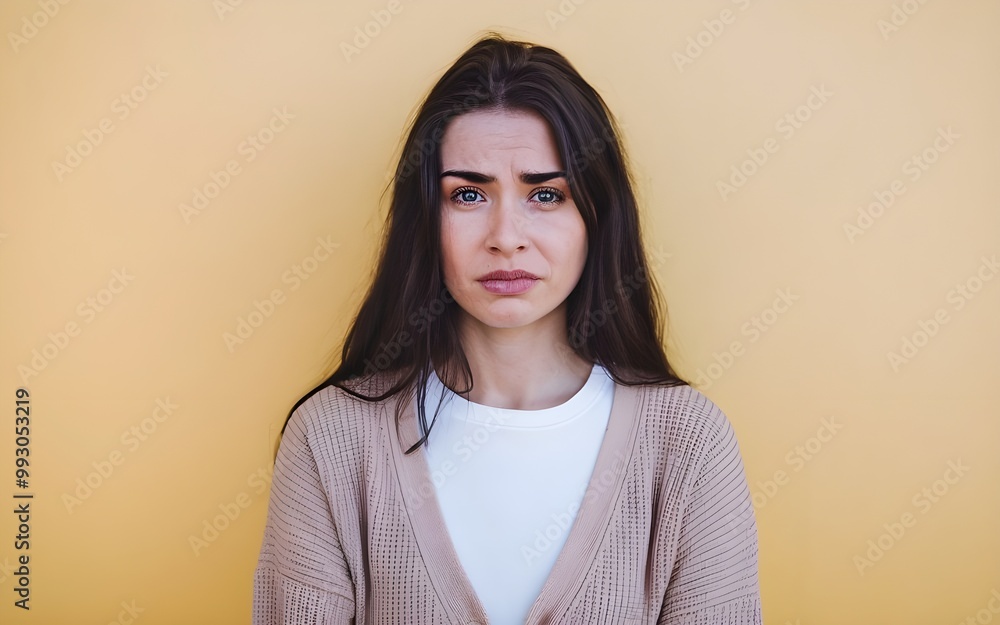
[517,274]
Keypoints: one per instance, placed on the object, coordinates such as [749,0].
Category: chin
[504,323]
[515,320]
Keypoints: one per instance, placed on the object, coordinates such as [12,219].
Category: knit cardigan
[665,534]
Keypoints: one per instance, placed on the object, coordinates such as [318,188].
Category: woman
[572,477]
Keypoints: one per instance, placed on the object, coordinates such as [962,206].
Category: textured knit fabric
[354,534]
[509,483]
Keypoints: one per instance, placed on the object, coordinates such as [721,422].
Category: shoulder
[685,407]
[332,419]
[686,421]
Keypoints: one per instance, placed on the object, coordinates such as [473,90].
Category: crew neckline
[473,412]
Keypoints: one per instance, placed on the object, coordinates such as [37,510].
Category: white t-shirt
[510,482]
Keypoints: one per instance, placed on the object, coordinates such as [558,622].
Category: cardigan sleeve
[302,576]
[714,579]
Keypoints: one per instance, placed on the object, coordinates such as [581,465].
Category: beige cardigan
[665,534]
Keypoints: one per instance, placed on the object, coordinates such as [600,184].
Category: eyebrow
[526,177]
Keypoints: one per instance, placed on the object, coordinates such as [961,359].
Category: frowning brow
[527,177]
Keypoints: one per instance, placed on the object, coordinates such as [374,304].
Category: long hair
[407,323]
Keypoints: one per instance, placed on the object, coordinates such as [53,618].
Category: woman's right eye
[466,195]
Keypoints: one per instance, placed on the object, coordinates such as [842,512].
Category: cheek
[450,251]
[577,240]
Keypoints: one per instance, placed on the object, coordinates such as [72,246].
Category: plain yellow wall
[832,239]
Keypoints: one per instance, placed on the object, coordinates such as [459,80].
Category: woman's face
[506,206]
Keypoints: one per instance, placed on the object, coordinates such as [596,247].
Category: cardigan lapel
[574,560]
[584,539]
[453,587]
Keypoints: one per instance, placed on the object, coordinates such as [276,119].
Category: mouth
[500,274]
[508,282]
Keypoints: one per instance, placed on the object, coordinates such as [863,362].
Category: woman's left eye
[549,196]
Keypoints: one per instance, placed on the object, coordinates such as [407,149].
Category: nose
[507,226]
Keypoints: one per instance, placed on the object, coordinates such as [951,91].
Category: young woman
[572,476]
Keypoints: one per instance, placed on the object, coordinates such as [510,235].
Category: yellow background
[691,109]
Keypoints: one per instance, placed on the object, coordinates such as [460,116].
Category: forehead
[483,136]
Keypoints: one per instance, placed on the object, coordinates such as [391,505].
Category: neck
[527,368]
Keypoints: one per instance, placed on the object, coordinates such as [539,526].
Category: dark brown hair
[407,320]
